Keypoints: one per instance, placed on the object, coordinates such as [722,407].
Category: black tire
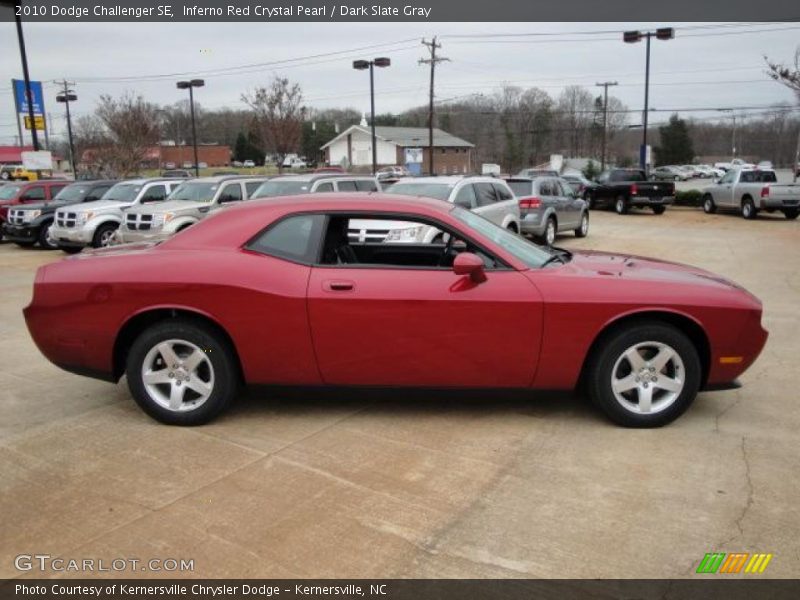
[749,210]
[621,205]
[218,354]
[44,239]
[590,202]
[611,350]
[25,244]
[512,227]
[582,230]
[550,232]
[659,210]
[791,213]
[70,249]
[708,205]
[102,233]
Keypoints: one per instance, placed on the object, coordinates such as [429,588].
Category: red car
[22,192]
[280,291]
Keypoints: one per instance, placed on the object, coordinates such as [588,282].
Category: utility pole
[605,85]
[66,96]
[432,61]
[26,76]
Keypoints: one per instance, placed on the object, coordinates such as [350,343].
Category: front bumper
[20,233]
[126,236]
[71,236]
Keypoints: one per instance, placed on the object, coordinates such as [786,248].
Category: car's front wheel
[644,375]
[708,205]
[104,236]
[181,372]
[44,239]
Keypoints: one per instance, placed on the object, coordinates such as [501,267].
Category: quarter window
[502,192]
[466,197]
[325,187]
[294,238]
[346,186]
[251,187]
[485,194]
[366,185]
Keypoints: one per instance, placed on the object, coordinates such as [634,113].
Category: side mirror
[470,264]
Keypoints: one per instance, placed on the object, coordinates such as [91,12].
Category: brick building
[401,146]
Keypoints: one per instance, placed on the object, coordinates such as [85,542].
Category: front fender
[179,223]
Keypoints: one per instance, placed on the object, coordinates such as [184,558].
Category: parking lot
[418,484]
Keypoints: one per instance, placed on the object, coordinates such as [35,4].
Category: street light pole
[26,75]
[182,85]
[605,85]
[632,37]
[360,65]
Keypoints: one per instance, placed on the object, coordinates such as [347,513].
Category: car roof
[146,180]
[310,177]
[223,178]
[450,179]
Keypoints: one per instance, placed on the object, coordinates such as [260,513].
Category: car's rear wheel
[583,229]
[621,205]
[548,238]
[644,375]
[791,213]
[181,372]
[104,236]
[749,209]
[708,205]
[659,210]
[70,249]
[44,239]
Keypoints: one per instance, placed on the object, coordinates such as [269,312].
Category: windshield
[194,192]
[73,193]
[7,192]
[532,255]
[282,188]
[431,190]
[122,192]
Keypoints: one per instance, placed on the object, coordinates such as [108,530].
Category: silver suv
[95,223]
[185,206]
[548,206]
[292,185]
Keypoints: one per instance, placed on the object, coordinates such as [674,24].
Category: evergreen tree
[676,145]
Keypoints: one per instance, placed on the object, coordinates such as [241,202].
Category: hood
[173,206]
[638,268]
[98,205]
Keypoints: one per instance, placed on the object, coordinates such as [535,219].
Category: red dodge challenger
[333,289]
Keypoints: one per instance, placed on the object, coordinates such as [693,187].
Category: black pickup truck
[30,223]
[624,188]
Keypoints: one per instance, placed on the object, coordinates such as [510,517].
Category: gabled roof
[407,137]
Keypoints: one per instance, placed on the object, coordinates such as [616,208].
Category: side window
[325,186]
[54,189]
[294,238]
[728,177]
[231,193]
[747,177]
[251,187]
[346,186]
[485,194]
[545,189]
[366,185]
[466,197]
[502,192]
[155,193]
[34,193]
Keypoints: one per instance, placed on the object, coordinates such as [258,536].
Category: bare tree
[788,76]
[279,113]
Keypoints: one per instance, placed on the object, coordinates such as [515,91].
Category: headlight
[406,234]
[83,217]
[160,219]
[30,215]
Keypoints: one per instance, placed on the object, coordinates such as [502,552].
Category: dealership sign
[24,100]
[37,161]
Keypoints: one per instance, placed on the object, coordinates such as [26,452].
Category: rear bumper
[645,201]
[778,203]
[532,223]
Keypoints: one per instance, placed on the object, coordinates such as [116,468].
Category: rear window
[520,188]
[627,176]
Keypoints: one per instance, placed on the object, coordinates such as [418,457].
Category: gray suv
[185,206]
[548,206]
[292,185]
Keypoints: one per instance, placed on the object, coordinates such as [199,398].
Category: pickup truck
[95,223]
[29,224]
[750,190]
[187,205]
[626,188]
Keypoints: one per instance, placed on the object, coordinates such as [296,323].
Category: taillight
[634,189]
[765,191]
[529,203]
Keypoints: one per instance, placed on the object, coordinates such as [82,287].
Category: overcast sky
[706,65]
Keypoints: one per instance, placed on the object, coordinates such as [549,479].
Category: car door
[374,324]
[232,192]
[723,191]
[35,193]
[568,204]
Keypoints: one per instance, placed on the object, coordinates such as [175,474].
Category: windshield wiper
[559,254]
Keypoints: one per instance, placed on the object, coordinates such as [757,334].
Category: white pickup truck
[750,190]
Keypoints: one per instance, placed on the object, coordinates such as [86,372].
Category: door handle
[338,285]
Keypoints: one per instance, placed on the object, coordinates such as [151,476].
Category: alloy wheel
[178,375]
[550,233]
[648,377]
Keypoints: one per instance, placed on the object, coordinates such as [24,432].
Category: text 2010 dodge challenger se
[332,290]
